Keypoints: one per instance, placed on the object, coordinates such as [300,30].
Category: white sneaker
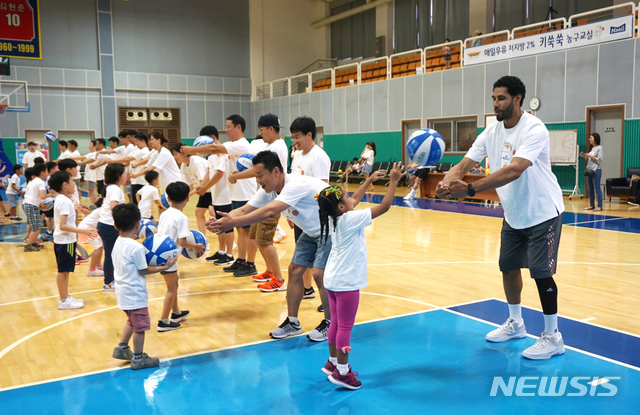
[70,303]
[547,346]
[509,330]
[279,236]
[286,329]
[411,195]
[320,333]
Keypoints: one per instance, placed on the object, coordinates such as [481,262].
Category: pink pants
[343,306]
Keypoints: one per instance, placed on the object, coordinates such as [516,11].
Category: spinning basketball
[425,147]
[164,201]
[50,136]
[195,237]
[160,249]
[244,162]
[147,228]
[48,203]
[203,140]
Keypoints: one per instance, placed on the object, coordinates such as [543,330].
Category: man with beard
[517,147]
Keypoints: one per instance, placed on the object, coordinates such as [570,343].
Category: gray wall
[189,54]
[566,83]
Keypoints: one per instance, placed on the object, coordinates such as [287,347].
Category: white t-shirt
[175,224]
[299,193]
[242,189]
[27,159]
[64,206]
[100,170]
[280,148]
[15,179]
[370,156]
[32,193]
[315,163]
[220,190]
[139,153]
[64,155]
[536,195]
[147,194]
[166,165]
[346,268]
[195,171]
[91,221]
[113,193]
[131,286]
[257,146]
[89,174]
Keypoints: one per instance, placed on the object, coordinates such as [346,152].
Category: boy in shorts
[149,195]
[64,236]
[34,194]
[129,270]
[13,191]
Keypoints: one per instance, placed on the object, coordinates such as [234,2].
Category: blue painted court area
[433,362]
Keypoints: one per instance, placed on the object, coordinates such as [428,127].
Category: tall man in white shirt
[29,157]
[243,189]
[517,147]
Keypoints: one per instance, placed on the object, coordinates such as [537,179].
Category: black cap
[269,120]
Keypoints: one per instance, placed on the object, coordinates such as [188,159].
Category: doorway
[608,121]
[408,128]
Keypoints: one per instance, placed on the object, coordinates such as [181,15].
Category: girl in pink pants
[346,271]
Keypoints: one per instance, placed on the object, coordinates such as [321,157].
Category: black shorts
[225,209]
[204,201]
[422,173]
[235,204]
[296,232]
[535,248]
[65,256]
[49,213]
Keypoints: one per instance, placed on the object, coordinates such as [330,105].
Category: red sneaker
[273,285]
[328,368]
[348,381]
[264,277]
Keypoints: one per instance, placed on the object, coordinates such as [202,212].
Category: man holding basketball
[517,147]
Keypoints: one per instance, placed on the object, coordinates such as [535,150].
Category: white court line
[588,319]
[594,221]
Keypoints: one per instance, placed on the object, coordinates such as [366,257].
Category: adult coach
[518,150]
[295,197]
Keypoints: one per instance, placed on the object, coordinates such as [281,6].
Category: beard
[504,114]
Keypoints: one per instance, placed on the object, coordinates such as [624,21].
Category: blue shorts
[367,168]
[310,252]
[13,200]
[237,205]
[65,256]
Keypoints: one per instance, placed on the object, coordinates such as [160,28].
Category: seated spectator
[354,166]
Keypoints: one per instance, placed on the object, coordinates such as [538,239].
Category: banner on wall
[20,29]
[569,38]
[21,149]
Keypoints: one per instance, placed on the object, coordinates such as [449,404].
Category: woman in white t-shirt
[164,163]
[114,177]
[366,161]
[346,270]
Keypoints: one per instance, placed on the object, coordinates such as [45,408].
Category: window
[458,133]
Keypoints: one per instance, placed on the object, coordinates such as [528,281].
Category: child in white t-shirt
[64,236]
[149,195]
[175,224]
[33,196]
[13,191]
[91,222]
[129,269]
[346,270]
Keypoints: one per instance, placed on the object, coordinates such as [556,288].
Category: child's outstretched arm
[357,195]
[396,173]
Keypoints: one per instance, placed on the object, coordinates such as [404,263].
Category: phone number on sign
[20,47]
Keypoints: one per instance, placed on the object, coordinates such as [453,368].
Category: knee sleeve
[548,292]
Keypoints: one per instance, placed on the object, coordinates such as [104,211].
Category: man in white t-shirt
[262,233]
[89,173]
[240,191]
[309,160]
[517,148]
[129,157]
[295,197]
[29,157]
[100,164]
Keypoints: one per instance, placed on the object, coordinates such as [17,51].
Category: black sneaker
[234,267]
[224,260]
[320,309]
[176,318]
[162,326]
[245,270]
[309,293]
[215,256]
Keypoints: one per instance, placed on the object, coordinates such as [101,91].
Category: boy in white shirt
[175,224]
[149,195]
[64,236]
[129,270]
[33,196]
[193,170]
[13,191]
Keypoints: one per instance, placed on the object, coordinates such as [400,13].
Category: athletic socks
[333,360]
[294,320]
[551,323]
[515,312]
[343,369]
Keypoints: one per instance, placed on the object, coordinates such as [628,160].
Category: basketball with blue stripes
[195,237]
[244,162]
[50,136]
[202,141]
[164,201]
[48,203]
[5,181]
[159,249]
[147,228]
[425,147]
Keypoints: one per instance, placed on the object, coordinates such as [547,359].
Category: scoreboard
[20,29]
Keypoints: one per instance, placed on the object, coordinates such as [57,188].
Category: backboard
[14,94]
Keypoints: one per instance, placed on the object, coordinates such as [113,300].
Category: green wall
[347,146]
